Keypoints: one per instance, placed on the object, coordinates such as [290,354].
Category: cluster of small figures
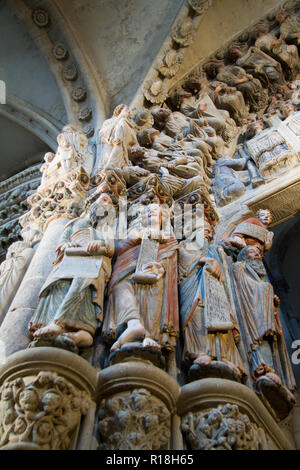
[149,288]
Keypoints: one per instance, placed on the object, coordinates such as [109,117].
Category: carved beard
[257,266]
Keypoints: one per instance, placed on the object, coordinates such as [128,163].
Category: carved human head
[234,53]
[136,152]
[28,399]
[121,108]
[213,68]
[160,115]
[147,136]
[49,156]
[251,252]
[261,29]
[16,248]
[265,216]
[283,16]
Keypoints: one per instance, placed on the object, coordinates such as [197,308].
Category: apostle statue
[70,304]
[257,311]
[142,292]
[210,331]
[117,135]
[253,231]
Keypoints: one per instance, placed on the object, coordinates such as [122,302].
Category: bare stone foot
[274,377]
[134,331]
[150,344]
[82,338]
[203,360]
[50,329]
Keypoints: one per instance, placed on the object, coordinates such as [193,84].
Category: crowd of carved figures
[229,127]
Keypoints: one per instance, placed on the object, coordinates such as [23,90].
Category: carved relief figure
[142,292]
[72,152]
[226,184]
[257,309]
[286,54]
[209,343]
[71,301]
[117,135]
[11,271]
[235,76]
[253,231]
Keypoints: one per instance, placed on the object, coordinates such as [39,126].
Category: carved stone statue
[253,231]
[270,150]
[226,184]
[71,301]
[72,152]
[289,26]
[259,65]
[117,135]
[210,331]
[286,54]
[257,310]
[222,428]
[142,292]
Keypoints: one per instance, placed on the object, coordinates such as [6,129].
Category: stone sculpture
[253,231]
[71,301]
[222,428]
[142,292]
[117,135]
[257,309]
[45,412]
[209,329]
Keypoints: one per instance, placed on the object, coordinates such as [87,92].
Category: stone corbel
[226,415]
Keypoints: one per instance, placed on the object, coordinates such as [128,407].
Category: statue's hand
[95,246]
[62,248]
[212,267]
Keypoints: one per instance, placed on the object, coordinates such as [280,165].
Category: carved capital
[44,394]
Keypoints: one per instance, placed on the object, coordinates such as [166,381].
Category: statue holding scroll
[210,331]
[257,311]
[142,292]
[71,301]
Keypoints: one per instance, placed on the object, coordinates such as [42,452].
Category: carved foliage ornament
[45,412]
[221,428]
[156,91]
[183,32]
[169,65]
[134,420]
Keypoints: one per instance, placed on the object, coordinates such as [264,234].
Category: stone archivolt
[123,301]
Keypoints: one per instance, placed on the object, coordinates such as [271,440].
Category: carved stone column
[136,403]
[226,415]
[13,331]
[46,401]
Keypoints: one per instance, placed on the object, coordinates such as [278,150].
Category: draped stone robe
[70,300]
[156,305]
[198,341]
[262,336]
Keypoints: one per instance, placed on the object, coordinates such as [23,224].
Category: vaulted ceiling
[99,50]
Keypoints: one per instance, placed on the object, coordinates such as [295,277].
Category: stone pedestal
[137,403]
[13,331]
[46,401]
[225,415]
